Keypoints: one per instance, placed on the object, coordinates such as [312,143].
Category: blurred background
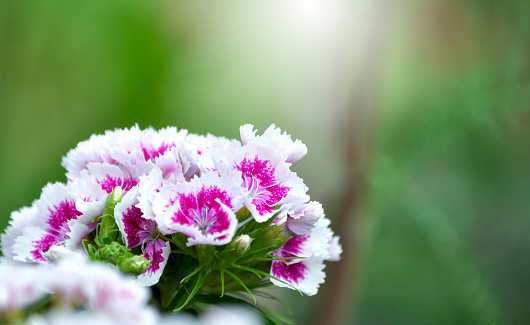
[415,114]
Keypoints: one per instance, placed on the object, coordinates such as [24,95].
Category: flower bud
[302,221]
[233,251]
[136,264]
[276,237]
[241,243]
[236,249]
[114,253]
[267,241]
[109,230]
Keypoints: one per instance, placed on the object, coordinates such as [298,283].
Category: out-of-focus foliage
[441,231]
[449,190]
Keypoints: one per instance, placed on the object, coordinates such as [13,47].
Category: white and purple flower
[304,258]
[138,231]
[49,221]
[203,209]
[273,137]
[55,208]
[266,180]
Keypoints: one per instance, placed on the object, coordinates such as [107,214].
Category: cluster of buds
[190,216]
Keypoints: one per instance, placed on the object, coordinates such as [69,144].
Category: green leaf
[192,273]
[246,269]
[269,296]
[198,284]
[233,276]
[276,315]
[271,316]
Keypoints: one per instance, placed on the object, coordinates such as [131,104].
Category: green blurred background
[415,114]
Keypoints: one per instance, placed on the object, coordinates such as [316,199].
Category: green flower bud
[265,241]
[136,264]
[114,253]
[236,249]
[109,229]
[275,237]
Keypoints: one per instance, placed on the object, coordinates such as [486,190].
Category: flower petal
[158,252]
[33,242]
[274,138]
[149,186]
[57,206]
[335,249]
[305,275]
[135,229]
[84,224]
[110,176]
[19,221]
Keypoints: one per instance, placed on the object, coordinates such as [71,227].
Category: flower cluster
[190,215]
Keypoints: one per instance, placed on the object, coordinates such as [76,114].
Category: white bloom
[304,273]
[20,286]
[273,137]
[303,219]
[335,249]
[266,180]
[139,231]
[203,209]
[19,221]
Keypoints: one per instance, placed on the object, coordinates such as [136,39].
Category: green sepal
[170,290]
[90,248]
[222,274]
[243,214]
[192,273]
[180,241]
[205,254]
[271,317]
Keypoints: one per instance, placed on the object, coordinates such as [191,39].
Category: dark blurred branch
[355,131]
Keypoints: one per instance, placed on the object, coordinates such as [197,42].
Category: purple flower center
[203,211]
[259,194]
[138,230]
[260,180]
[204,219]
